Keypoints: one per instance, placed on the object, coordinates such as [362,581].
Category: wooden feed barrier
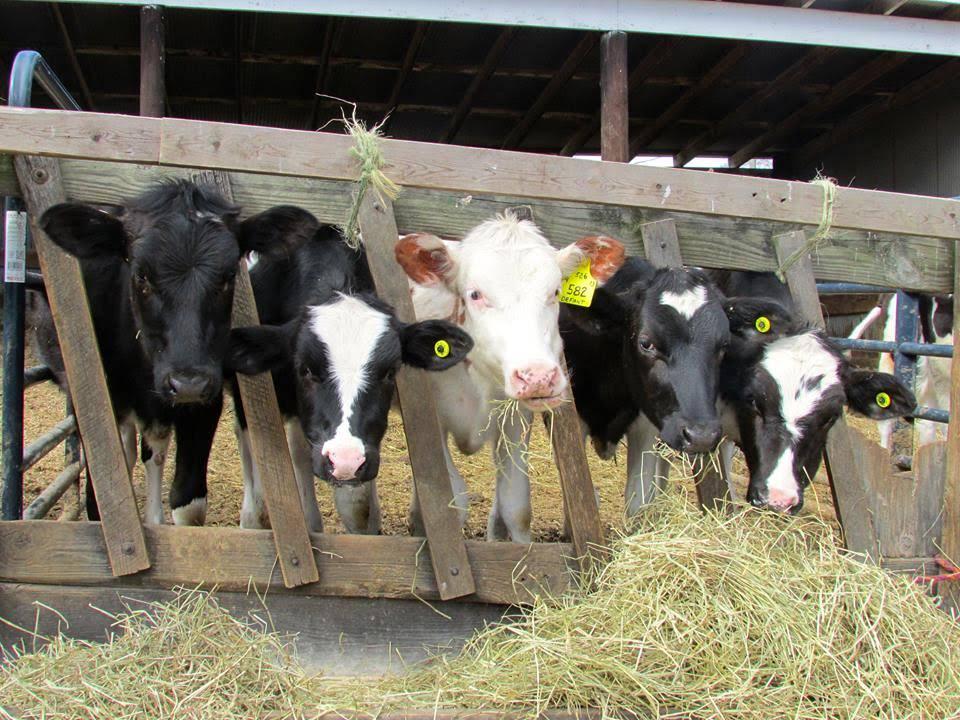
[331,587]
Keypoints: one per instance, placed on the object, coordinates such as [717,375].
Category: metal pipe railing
[28,67]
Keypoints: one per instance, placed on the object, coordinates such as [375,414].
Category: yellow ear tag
[883,400]
[441,348]
[578,287]
[762,324]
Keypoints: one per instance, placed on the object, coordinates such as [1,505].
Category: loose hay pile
[696,616]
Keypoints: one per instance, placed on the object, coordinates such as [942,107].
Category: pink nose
[344,462]
[535,381]
[782,500]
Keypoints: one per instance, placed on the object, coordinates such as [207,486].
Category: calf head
[502,284]
[783,386]
[343,355]
[671,330]
[176,248]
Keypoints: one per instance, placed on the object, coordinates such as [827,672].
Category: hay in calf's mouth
[696,616]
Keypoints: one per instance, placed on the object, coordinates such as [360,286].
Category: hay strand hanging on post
[366,148]
[822,233]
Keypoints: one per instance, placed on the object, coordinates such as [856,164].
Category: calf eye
[476,295]
[142,284]
[227,284]
[645,342]
[306,375]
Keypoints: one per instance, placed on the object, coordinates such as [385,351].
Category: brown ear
[424,258]
[606,256]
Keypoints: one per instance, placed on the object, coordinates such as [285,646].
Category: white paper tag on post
[15,249]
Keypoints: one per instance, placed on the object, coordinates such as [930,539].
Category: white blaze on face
[686,303]
[350,329]
[803,371]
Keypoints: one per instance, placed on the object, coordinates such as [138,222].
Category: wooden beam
[268,441]
[50,552]
[878,258]
[224,146]
[425,438]
[556,84]
[726,63]
[71,56]
[950,541]
[153,89]
[864,117]
[846,450]
[614,98]
[851,84]
[413,47]
[123,546]
[237,65]
[480,79]
[330,35]
[640,73]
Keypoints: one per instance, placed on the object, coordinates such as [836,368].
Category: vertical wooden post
[850,486]
[614,103]
[153,87]
[950,541]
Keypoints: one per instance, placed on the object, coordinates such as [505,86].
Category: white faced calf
[782,387]
[501,283]
[334,349]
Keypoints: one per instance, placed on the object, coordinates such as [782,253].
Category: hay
[696,616]
[822,233]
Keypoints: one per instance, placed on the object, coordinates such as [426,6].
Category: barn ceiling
[483,85]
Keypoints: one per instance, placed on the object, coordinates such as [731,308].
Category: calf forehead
[805,373]
[515,269]
[179,245]
[684,307]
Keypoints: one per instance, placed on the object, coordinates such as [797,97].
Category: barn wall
[913,150]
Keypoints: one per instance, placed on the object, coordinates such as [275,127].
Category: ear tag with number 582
[578,287]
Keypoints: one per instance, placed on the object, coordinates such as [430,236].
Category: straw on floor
[696,616]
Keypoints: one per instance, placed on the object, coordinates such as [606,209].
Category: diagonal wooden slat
[413,47]
[123,534]
[851,487]
[268,442]
[425,440]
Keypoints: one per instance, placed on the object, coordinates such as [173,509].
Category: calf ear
[759,319]
[434,344]
[258,349]
[607,314]
[878,395]
[606,255]
[277,231]
[85,232]
[426,259]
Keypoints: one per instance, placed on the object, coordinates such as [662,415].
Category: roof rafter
[479,80]
[720,68]
[72,55]
[331,34]
[570,65]
[413,47]
[641,71]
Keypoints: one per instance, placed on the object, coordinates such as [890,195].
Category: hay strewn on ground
[696,616]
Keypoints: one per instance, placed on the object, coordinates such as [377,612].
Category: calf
[782,387]
[159,274]
[501,283]
[933,373]
[644,359]
[334,349]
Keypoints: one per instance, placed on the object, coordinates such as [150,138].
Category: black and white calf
[159,274]
[334,349]
[644,360]
[782,387]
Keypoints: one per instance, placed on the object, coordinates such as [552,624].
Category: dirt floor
[44,405]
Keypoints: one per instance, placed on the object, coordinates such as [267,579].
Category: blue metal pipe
[884,346]
[28,66]
[842,288]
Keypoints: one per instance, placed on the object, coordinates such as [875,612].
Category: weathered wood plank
[8,178]
[930,469]
[420,423]
[845,447]
[614,98]
[662,248]
[50,552]
[332,635]
[471,170]
[268,442]
[950,542]
[67,294]
[920,263]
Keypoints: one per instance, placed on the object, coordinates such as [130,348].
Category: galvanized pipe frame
[28,67]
